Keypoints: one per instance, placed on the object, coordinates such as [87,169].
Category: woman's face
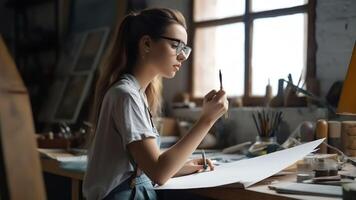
[163,54]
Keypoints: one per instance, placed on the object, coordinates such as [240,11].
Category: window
[252,42]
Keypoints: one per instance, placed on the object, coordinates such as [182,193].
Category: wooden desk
[52,166]
[258,191]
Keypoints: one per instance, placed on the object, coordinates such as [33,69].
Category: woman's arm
[160,167]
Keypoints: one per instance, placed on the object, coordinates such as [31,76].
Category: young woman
[124,159]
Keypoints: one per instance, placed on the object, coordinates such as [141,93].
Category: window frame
[247,18]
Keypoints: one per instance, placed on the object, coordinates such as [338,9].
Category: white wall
[335,37]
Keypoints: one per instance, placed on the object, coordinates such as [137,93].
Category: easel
[20,169]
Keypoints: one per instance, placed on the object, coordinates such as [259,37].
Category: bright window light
[220,47]
[216,9]
[279,48]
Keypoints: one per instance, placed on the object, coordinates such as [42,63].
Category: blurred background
[59,44]
[264,49]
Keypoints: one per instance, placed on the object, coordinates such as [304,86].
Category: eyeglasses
[181,47]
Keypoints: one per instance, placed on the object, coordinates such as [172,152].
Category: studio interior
[286,69]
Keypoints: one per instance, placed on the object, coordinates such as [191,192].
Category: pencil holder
[263,145]
[267,125]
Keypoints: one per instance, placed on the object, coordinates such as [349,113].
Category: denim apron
[137,187]
[134,188]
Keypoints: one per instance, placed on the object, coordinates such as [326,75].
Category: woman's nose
[181,57]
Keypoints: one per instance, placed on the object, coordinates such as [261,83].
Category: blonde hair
[123,54]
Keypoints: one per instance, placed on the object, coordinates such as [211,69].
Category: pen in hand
[221,87]
[205,166]
[220,79]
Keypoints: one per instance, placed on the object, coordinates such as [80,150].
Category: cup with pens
[267,124]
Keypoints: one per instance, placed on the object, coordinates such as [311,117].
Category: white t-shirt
[124,118]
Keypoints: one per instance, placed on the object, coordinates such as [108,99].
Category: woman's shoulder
[124,88]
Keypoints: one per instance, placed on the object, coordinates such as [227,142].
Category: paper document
[62,155]
[246,172]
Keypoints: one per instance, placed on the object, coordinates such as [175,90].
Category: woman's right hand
[214,106]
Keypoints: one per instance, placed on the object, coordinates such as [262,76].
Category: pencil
[205,166]
[221,87]
[220,79]
[258,129]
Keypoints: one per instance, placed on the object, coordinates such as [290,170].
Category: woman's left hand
[194,166]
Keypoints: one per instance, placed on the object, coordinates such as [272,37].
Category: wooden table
[52,166]
[257,191]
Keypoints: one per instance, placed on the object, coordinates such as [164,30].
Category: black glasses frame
[181,46]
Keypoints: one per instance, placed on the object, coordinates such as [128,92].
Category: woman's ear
[145,44]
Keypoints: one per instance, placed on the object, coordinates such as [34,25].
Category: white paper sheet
[247,172]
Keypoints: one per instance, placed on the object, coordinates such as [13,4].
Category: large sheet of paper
[245,172]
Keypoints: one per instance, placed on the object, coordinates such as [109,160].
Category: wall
[6,21]
[90,14]
[335,37]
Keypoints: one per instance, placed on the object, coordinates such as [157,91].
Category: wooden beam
[248,49]
[279,12]
[219,22]
[311,46]
[20,159]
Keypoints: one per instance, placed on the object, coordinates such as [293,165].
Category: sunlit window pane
[220,47]
[215,9]
[279,48]
[263,5]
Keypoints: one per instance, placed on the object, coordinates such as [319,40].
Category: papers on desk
[62,155]
[71,161]
[244,172]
